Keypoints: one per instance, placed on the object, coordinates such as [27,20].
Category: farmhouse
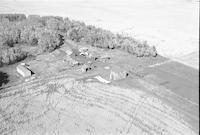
[22,70]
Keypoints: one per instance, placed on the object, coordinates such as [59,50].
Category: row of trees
[11,55]
[98,37]
[49,32]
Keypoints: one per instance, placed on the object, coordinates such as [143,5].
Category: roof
[101,79]
[83,49]
[23,70]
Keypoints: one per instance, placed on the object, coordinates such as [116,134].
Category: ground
[64,100]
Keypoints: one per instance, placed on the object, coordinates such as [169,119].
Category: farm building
[22,70]
[117,73]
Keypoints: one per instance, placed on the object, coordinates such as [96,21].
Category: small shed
[22,70]
[117,73]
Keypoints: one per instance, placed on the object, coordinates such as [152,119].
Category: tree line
[22,36]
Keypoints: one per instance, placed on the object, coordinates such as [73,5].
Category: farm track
[137,111]
[41,80]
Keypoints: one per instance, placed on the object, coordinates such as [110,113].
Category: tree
[11,55]
[9,34]
[55,24]
[49,41]
[29,35]
[13,17]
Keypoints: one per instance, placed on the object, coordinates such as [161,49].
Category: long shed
[22,70]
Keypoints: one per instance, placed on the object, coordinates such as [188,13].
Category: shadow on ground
[3,78]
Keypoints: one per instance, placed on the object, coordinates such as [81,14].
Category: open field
[183,80]
[64,106]
[64,100]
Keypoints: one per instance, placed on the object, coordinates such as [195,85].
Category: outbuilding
[117,73]
[22,70]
